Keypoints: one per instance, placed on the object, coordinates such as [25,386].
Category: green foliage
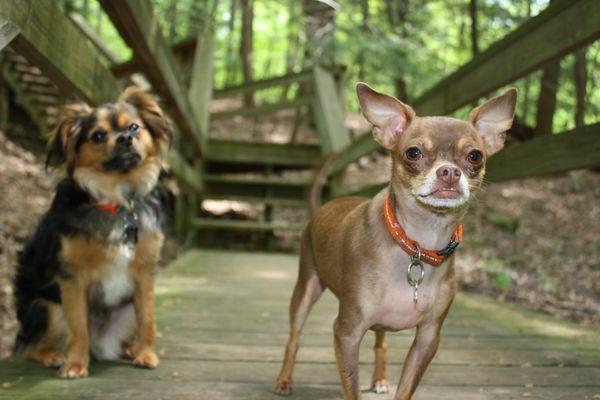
[420,46]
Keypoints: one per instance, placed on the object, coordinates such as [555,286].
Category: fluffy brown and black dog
[85,279]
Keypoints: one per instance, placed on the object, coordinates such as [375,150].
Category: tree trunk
[364,7]
[293,40]
[547,99]
[231,59]
[525,95]
[474,31]
[171,17]
[246,47]
[580,83]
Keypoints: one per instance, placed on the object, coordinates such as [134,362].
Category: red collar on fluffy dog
[112,207]
[412,247]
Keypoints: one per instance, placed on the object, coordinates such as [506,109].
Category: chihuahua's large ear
[62,141]
[493,118]
[155,120]
[389,116]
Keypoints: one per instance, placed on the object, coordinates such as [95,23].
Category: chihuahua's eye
[475,156]
[98,136]
[413,153]
[133,128]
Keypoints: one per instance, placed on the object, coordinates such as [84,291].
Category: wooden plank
[329,113]
[225,189]
[579,148]
[96,40]
[274,201]
[8,32]
[201,82]
[564,26]
[49,40]
[185,172]
[251,226]
[263,108]
[271,180]
[262,153]
[138,25]
[303,76]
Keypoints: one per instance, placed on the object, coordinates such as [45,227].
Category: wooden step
[244,225]
[260,180]
[236,152]
[274,201]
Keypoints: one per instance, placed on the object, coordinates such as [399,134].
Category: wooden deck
[222,319]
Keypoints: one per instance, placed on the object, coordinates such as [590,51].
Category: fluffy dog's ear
[155,120]
[389,116]
[493,118]
[62,142]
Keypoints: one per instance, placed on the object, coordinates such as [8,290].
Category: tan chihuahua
[389,260]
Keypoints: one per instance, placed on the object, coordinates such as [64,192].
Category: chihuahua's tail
[315,195]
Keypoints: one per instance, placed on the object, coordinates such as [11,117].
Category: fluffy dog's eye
[98,136]
[475,156]
[413,153]
[133,128]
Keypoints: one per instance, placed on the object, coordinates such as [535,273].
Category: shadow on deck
[222,318]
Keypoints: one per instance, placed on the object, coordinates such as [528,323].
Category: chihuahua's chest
[114,283]
[397,307]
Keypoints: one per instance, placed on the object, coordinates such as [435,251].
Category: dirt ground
[535,241]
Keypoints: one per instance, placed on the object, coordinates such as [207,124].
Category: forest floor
[535,242]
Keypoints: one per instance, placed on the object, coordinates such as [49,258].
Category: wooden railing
[562,28]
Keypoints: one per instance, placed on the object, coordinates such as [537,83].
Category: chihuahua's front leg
[348,333]
[421,352]
[74,303]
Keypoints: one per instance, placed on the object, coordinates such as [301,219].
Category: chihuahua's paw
[73,370]
[146,359]
[380,386]
[52,358]
[283,387]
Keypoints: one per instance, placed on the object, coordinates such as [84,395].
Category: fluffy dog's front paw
[146,359]
[380,386]
[73,370]
[51,358]
[283,387]
[127,349]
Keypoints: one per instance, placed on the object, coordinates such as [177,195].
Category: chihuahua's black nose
[125,139]
[448,174]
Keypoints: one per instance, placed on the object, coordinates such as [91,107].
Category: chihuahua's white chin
[436,202]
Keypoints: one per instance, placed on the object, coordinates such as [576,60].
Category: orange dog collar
[412,247]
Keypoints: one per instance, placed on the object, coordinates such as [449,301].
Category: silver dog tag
[414,275]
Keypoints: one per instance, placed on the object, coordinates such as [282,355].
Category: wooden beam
[185,172]
[262,153]
[201,81]
[579,148]
[564,26]
[264,108]
[138,25]
[329,113]
[50,41]
[8,32]
[302,76]
[96,40]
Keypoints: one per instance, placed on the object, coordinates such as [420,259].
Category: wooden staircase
[34,91]
[274,177]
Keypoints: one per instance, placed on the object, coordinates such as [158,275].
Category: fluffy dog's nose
[125,140]
[448,174]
